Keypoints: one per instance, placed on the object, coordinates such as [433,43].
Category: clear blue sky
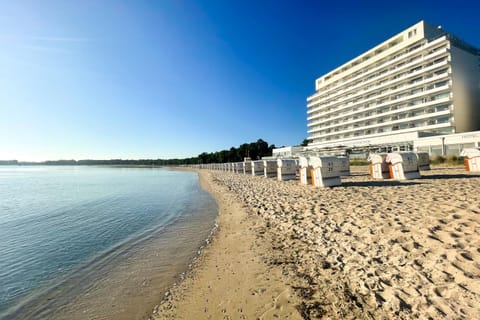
[163,79]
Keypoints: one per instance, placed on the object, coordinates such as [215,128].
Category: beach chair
[423,160]
[257,168]
[326,171]
[472,159]
[344,166]
[286,169]
[403,165]
[378,166]
[247,167]
[304,171]
[270,168]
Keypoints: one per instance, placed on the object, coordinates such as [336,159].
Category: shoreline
[366,249]
[229,277]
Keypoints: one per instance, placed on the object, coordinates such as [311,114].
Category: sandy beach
[365,250]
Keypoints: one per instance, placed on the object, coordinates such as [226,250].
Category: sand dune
[365,250]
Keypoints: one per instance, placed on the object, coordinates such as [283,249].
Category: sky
[175,78]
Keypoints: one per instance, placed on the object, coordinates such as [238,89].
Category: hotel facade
[422,82]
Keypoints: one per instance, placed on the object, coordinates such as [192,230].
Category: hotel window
[418,113]
[442,108]
[414,48]
[441,96]
[439,60]
[441,84]
[416,80]
[417,90]
[443,120]
[437,73]
[412,33]
[416,69]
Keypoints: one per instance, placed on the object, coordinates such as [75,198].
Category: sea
[86,242]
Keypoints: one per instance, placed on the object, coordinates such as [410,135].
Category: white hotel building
[420,83]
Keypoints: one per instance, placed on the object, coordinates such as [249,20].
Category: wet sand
[365,250]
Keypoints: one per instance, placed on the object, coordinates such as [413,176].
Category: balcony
[376,135]
[398,58]
[391,124]
[390,102]
[398,88]
[401,75]
[401,113]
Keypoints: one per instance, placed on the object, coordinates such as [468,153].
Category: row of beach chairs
[326,171]
[317,171]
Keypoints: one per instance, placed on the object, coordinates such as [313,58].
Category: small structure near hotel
[286,169]
[304,171]
[472,159]
[378,166]
[403,165]
[257,168]
[325,171]
[423,160]
[270,168]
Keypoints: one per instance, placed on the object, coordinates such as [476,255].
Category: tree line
[254,150]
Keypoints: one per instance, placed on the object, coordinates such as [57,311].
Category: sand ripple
[371,249]
[365,250]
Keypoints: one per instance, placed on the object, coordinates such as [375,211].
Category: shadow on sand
[450,176]
[379,183]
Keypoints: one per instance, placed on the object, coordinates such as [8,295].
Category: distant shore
[367,249]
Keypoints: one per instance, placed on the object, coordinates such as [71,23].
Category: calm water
[95,242]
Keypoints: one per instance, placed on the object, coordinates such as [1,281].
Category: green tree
[305,142]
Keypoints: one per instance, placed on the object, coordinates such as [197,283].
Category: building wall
[286,152]
[466,89]
[447,145]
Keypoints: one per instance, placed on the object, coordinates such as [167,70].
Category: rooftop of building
[425,30]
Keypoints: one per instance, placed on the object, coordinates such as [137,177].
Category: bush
[451,160]
[359,162]
[437,160]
